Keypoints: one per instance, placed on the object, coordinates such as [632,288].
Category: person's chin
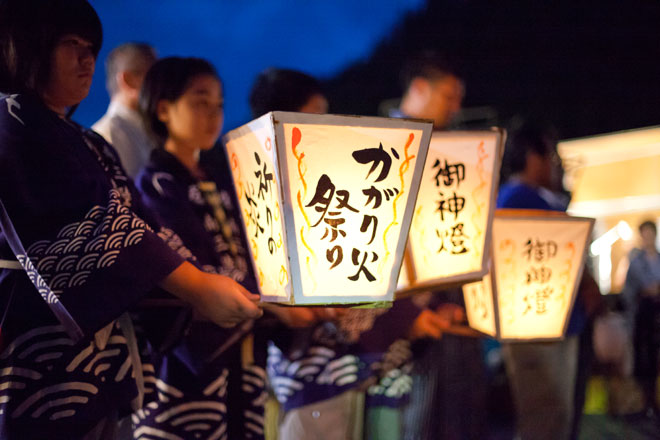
[81,94]
[77,100]
[207,146]
[211,140]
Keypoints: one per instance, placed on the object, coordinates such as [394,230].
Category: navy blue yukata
[77,251]
[365,350]
[215,374]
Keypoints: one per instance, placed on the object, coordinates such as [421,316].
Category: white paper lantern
[450,232]
[538,259]
[327,202]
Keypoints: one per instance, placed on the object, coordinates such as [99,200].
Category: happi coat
[77,250]
[211,368]
[365,350]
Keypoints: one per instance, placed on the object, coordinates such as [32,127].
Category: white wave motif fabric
[253,385]
[394,370]
[175,243]
[12,104]
[357,321]
[85,246]
[319,366]
[40,351]
[396,384]
[174,414]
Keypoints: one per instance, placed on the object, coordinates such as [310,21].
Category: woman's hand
[294,317]
[298,317]
[432,324]
[428,324]
[218,298]
[451,312]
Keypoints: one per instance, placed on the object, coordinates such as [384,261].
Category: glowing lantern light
[538,259]
[449,235]
[327,201]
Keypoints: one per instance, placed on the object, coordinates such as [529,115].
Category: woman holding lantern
[77,247]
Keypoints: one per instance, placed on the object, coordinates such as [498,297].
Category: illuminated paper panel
[479,305]
[348,187]
[538,259]
[449,235]
[251,152]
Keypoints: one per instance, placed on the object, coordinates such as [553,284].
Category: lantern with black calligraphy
[537,264]
[449,235]
[327,201]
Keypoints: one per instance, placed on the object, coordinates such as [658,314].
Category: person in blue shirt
[641,293]
[545,379]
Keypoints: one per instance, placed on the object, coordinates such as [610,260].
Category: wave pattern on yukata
[43,350]
[174,415]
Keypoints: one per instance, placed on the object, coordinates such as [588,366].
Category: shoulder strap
[56,306]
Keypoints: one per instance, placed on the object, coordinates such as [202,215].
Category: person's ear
[163,111]
[121,80]
[130,80]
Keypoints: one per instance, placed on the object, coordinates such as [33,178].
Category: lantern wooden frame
[274,124]
[490,282]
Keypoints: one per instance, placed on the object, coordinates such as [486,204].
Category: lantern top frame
[276,120]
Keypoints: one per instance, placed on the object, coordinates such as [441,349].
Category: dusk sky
[241,38]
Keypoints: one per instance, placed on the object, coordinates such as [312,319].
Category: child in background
[214,377]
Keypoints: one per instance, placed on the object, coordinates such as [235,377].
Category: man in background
[432,90]
[448,395]
[642,295]
[121,125]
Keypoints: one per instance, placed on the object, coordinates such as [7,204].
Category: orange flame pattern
[296,137]
[508,247]
[284,276]
[403,169]
[478,202]
[237,179]
[565,274]
[255,249]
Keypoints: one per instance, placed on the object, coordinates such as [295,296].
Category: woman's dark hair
[29,33]
[525,137]
[427,64]
[168,79]
[283,90]
[648,224]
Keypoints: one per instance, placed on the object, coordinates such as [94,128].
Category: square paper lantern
[327,201]
[538,259]
[449,235]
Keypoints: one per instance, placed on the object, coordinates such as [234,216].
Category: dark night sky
[589,67]
[241,38]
